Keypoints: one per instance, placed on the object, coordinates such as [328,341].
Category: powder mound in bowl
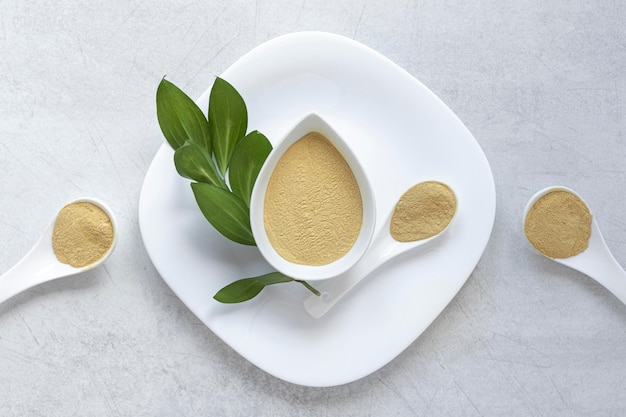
[313,211]
[82,234]
[558,225]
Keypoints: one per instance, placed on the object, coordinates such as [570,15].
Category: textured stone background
[542,87]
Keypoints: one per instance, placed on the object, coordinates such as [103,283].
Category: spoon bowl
[40,264]
[597,261]
[382,249]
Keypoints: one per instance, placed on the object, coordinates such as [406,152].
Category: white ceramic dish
[311,123]
[405,135]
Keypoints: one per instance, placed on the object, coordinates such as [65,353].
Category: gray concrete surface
[541,85]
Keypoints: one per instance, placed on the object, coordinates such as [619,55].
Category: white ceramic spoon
[597,261]
[41,264]
[383,247]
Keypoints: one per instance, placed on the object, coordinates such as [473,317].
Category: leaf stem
[308,287]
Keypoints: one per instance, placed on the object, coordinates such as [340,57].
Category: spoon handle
[383,248]
[609,273]
[39,265]
[614,280]
[17,279]
[598,263]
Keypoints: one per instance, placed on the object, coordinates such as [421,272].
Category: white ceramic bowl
[312,123]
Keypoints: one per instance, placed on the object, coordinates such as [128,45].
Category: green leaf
[228,121]
[227,213]
[247,160]
[194,162]
[247,288]
[180,118]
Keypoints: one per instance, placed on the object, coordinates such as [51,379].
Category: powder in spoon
[313,208]
[558,225]
[424,211]
[83,233]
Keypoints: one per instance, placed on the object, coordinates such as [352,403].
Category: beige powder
[82,234]
[313,209]
[423,211]
[558,225]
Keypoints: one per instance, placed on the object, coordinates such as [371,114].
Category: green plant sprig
[223,162]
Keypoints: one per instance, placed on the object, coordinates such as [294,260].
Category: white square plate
[403,134]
